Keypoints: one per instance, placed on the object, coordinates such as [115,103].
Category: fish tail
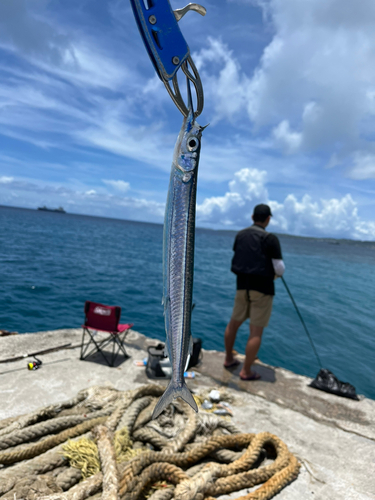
[173,391]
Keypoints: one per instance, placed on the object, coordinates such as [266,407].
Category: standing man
[257,261]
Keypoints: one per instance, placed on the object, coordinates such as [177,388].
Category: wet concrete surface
[333,437]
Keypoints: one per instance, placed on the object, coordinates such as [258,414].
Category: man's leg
[252,348]
[229,339]
[240,313]
[260,313]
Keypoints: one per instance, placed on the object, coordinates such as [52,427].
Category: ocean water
[51,263]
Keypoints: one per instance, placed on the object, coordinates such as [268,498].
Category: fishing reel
[34,365]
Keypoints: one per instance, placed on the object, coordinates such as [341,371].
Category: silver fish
[178,258]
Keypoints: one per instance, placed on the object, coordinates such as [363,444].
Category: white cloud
[26,30]
[305,216]
[85,201]
[91,66]
[313,90]
[290,141]
[337,217]
[316,78]
[232,208]
[33,110]
[225,90]
[332,218]
[30,34]
[119,185]
[5,180]
[114,133]
[364,166]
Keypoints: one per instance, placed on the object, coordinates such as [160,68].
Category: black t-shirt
[264,284]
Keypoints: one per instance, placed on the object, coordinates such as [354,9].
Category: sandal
[234,363]
[252,376]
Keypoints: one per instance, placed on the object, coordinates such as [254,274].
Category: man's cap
[263,210]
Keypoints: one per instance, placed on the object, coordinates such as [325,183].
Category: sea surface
[51,263]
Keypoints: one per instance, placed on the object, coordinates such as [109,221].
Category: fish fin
[172,392]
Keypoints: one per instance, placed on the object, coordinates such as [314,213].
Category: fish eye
[192,144]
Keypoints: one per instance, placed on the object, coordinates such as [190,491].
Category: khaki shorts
[259,307]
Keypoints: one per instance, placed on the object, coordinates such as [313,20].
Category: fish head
[188,146]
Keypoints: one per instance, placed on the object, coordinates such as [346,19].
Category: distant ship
[60,210]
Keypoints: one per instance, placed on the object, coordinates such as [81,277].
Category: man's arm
[274,252]
[278,266]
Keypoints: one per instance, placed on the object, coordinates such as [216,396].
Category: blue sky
[289,95]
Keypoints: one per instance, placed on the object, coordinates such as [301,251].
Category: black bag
[155,355]
[327,382]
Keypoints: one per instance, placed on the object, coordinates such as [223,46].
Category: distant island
[60,210]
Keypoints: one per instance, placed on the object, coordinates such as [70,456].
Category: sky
[289,88]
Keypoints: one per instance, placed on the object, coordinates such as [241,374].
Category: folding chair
[104,319]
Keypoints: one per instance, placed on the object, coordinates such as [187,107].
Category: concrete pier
[334,438]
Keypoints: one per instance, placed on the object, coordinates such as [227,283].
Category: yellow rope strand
[83,454]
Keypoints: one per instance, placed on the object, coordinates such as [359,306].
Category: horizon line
[197,227]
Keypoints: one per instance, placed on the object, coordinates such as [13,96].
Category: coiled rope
[103,444]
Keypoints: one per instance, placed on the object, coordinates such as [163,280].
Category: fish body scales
[180,274]
[178,260]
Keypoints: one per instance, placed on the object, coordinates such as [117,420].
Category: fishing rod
[33,354]
[325,380]
[303,323]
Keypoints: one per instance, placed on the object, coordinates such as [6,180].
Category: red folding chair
[105,319]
